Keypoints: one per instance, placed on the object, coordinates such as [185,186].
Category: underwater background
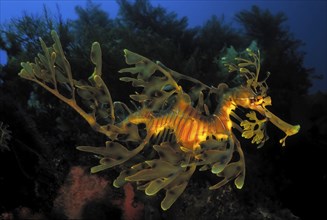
[43,176]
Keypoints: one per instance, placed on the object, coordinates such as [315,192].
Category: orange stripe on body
[171,119]
[179,127]
[175,117]
[150,124]
[168,120]
[220,126]
[193,131]
[164,119]
[176,122]
[187,127]
[184,118]
[154,125]
[199,130]
[205,128]
[212,126]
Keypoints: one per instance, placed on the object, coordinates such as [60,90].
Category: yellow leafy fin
[112,155]
[177,187]
[196,86]
[231,171]
[255,128]
[216,154]
[158,169]
[167,153]
[121,179]
[155,186]
[156,89]
[234,170]
[52,71]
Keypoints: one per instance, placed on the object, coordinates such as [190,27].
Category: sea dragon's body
[188,125]
[182,130]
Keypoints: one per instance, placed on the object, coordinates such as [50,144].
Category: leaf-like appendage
[112,154]
[254,128]
[96,58]
[157,89]
[165,173]
[52,71]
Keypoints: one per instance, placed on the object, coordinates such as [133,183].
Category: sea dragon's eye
[252,100]
[258,100]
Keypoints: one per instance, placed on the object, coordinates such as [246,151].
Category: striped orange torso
[189,126]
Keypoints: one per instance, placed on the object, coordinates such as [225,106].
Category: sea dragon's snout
[287,128]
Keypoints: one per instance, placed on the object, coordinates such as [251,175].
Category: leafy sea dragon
[172,131]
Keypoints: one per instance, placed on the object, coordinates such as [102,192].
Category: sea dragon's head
[253,95]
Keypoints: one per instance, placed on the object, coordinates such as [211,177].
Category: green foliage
[262,25]
[289,76]
[139,23]
[154,32]
[93,24]
[213,38]
[142,16]
[19,38]
[196,50]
